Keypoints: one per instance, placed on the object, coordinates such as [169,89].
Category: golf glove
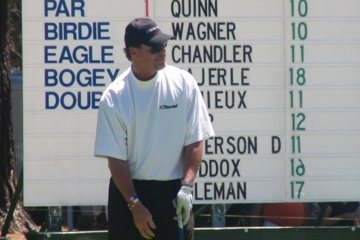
[184,203]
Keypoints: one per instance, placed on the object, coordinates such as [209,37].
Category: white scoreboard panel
[280,79]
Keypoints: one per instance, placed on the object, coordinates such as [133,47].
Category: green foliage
[15,34]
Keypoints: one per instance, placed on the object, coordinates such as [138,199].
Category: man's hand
[143,221]
[184,203]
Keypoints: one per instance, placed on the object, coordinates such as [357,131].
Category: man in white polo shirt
[151,123]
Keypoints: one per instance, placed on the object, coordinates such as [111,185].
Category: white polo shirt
[147,123]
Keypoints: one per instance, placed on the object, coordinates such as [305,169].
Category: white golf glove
[184,203]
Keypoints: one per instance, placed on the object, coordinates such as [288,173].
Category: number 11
[293,53]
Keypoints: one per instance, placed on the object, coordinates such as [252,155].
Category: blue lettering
[69,100]
[91,60]
[87,102]
[96,77]
[95,99]
[88,78]
[85,26]
[72,100]
[51,104]
[84,77]
[113,76]
[76,31]
[72,78]
[51,31]
[48,54]
[102,30]
[83,55]
[48,7]
[79,8]
[94,27]
[61,7]
[80,54]
[50,74]
[65,55]
[61,32]
[104,54]
[70,28]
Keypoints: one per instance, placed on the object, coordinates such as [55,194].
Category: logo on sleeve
[168,106]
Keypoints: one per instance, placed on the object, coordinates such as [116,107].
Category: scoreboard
[280,79]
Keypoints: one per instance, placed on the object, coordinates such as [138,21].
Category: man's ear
[134,52]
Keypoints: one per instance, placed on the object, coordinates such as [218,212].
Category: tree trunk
[21,219]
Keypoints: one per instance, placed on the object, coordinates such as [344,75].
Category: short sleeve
[198,125]
[110,140]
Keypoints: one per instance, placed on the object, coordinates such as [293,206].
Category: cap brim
[159,39]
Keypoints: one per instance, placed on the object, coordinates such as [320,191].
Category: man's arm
[192,160]
[121,175]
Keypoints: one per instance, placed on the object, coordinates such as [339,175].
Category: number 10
[302,8]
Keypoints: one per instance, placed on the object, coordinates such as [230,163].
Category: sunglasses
[156,50]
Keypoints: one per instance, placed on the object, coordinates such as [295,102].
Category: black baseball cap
[144,31]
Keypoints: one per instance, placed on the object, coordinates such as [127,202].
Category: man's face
[153,57]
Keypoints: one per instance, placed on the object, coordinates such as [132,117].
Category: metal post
[54,219]
[70,222]
[218,215]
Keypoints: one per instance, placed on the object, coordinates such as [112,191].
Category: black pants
[157,197]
